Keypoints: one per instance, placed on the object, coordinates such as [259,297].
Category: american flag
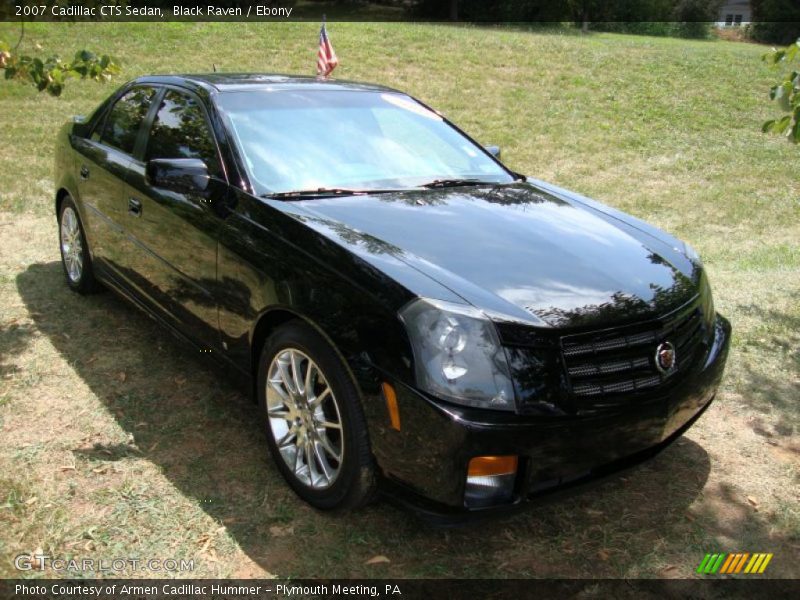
[326,57]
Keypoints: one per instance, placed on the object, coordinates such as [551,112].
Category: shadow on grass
[770,394]
[204,436]
[13,339]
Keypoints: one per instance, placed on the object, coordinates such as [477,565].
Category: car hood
[518,251]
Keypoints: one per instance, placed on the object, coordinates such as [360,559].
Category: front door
[102,167]
[177,232]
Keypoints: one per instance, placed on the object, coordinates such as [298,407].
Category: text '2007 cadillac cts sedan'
[410,314]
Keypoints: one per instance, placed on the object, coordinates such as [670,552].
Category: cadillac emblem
[665,358]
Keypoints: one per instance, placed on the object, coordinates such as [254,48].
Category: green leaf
[785,99]
[86,56]
[794,134]
[55,89]
[767,126]
[782,124]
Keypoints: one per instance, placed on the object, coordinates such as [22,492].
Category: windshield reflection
[305,140]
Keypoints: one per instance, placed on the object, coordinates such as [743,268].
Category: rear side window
[125,119]
[180,130]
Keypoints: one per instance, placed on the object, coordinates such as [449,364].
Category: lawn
[115,442]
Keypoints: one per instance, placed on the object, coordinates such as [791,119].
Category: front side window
[126,117]
[297,140]
[180,130]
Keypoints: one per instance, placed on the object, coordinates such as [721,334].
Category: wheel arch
[272,319]
[268,322]
[60,195]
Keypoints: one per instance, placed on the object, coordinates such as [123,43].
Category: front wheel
[75,256]
[315,426]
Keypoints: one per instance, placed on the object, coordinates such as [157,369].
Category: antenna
[214,66]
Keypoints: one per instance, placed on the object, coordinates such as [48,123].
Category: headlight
[457,354]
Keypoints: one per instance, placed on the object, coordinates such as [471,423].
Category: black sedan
[410,314]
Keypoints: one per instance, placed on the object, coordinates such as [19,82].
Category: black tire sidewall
[346,490]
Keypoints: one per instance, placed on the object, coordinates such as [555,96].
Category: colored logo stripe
[724,563]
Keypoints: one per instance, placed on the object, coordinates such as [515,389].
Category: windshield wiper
[323,192]
[444,183]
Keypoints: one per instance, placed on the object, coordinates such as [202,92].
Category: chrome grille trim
[610,367]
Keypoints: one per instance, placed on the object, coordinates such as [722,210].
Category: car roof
[228,82]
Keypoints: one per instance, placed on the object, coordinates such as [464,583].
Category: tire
[75,257]
[325,482]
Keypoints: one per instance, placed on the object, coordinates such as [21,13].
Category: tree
[454,10]
[786,92]
[775,21]
[583,11]
[51,73]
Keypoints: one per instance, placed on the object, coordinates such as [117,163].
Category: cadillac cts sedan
[411,315]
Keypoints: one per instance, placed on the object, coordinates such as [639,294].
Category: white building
[734,13]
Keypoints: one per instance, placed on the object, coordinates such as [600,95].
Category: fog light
[490,480]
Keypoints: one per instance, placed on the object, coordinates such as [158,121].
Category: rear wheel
[75,256]
[313,419]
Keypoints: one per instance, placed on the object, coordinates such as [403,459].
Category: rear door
[177,232]
[102,166]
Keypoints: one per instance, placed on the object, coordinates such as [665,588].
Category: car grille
[610,367]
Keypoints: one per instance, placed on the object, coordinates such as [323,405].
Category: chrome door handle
[84,172]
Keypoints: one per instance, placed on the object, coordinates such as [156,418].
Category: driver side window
[180,130]
[125,119]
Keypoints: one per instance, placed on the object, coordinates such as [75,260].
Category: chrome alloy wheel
[71,245]
[304,418]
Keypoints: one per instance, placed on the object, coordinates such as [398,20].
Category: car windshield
[355,140]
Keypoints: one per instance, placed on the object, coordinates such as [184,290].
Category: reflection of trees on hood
[623,306]
[352,237]
[495,194]
[419,197]
[618,306]
[518,195]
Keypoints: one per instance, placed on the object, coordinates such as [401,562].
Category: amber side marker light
[490,480]
[486,466]
[391,405]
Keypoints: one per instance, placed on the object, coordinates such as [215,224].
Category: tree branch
[21,34]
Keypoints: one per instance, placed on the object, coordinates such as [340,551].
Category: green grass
[170,462]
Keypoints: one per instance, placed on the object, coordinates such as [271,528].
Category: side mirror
[493,150]
[178,174]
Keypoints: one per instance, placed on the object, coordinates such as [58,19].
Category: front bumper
[425,463]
